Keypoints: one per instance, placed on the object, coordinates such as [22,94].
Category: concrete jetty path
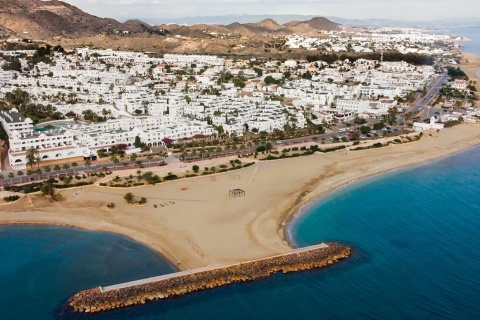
[199,270]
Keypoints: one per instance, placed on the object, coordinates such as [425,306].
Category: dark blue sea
[416,235]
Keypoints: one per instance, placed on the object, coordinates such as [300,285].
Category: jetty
[184,282]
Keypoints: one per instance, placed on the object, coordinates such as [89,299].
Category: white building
[56,144]
[420,126]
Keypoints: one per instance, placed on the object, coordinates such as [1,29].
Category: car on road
[437,112]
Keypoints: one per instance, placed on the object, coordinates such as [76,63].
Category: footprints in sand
[165,204]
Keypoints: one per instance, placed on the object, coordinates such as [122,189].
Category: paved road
[432,91]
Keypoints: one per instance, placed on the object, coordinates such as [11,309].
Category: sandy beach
[471,66]
[196,223]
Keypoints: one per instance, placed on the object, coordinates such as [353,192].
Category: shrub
[11,198]
[170,177]
[142,200]
[129,197]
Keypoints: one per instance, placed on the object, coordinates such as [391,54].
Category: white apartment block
[57,144]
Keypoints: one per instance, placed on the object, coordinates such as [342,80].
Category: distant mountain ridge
[43,19]
[265,27]
[282,19]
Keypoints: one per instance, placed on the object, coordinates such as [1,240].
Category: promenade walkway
[183,273]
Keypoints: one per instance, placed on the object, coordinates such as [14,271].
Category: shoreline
[315,199]
[255,226]
[470,64]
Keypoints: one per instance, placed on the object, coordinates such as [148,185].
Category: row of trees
[412,58]
[47,169]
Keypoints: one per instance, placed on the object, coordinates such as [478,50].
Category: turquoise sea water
[416,233]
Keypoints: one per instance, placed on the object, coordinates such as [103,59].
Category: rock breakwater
[102,299]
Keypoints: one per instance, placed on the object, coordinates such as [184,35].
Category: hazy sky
[167,10]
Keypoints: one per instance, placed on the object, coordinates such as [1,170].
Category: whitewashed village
[98,99]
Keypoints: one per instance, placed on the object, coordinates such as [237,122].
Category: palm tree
[407,117]
[48,188]
[38,172]
[37,161]
[32,156]
[20,174]
[114,160]
[47,170]
[163,155]
[74,165]
[56,168]
[11,175]
[149,157]
[65,167]
[133,158]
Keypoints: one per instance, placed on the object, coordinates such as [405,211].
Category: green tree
[65,167]
[133,158]
[11,175]
[74,166]
[20,174]
[39,173]
[149,157]
[365,129]
[392,116]
[129,197]
[195,168]
[32,156]
[138,143]
[114,160]
[407,117]
[48,188]
[378,126]
[57,169]
[47,170]
[269,80]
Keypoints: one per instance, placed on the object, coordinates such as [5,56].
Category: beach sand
[196,222]
[471,66]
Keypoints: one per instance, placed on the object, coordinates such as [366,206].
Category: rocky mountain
[266,27]
[59,23]
[42,19]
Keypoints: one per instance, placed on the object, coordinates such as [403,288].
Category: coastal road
[432,91]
